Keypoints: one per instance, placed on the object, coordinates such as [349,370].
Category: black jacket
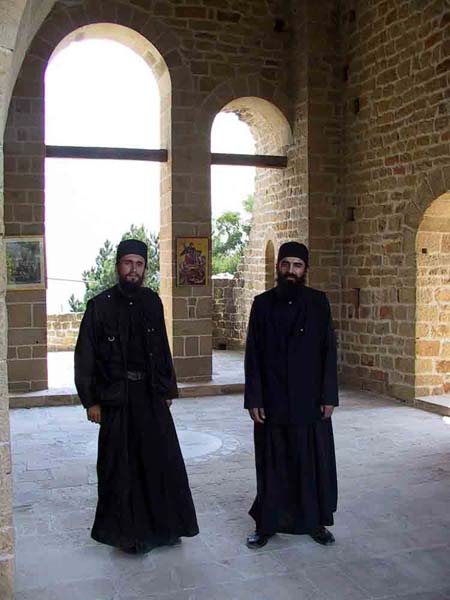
[101,349]
[291,375]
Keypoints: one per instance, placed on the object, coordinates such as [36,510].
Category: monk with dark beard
[290,393]
[126,381]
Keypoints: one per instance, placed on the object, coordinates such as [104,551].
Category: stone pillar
[324,134]
[191,322]
[24,215]
[6,515]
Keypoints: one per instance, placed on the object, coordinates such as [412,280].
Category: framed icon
[192,260]
[25,268]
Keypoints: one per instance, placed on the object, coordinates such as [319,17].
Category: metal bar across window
[106,153]
[262,161]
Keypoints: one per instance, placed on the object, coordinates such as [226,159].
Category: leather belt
[136,375]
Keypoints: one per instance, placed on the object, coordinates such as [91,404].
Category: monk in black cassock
[125,379]
[290,392]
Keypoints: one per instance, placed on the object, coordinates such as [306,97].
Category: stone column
[6,515]
[190,321]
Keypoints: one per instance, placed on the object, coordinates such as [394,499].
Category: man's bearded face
[291,270]
[131,272]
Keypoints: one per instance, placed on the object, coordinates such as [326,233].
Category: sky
[100,93]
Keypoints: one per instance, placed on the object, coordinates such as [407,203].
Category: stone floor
[392,526]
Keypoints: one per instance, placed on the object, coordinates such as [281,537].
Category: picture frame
[25,264]
[192,261]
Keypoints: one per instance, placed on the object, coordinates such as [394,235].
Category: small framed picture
[192,260]
[25,269]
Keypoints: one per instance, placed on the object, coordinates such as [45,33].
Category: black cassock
[290,371]
[144,499]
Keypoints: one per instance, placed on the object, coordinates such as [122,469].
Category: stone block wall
[62,331]
[228,324]
[24,215]
[395,163]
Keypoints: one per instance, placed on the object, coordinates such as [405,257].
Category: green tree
[75,304]
[230,238]
[102,275]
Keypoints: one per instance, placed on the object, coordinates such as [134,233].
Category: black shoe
[173,541]
[321,535]
[257,540]
[129,550]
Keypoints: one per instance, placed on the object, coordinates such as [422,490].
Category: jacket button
[151,354]
[131,304]
[302,330]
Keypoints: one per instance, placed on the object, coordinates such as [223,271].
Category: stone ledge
[439,405]
[68,397]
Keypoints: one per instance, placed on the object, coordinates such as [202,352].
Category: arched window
[104,125]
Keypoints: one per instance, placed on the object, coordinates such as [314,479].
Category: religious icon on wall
[25,263]
[192,260]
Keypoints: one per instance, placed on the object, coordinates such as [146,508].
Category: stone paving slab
[391,527]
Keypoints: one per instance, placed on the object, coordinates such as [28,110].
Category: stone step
[435,404]
[69,397]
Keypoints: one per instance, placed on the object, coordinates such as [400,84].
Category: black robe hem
[154,541]
[301,528]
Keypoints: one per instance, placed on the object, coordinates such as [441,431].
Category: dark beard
[288,288]
[130,287]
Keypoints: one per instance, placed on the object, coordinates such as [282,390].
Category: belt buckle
[135,375]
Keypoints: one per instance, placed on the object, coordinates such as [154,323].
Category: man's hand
[169,402]
[94,414]
[258,415]
[327,411]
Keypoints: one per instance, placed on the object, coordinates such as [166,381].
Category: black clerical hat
[293,249]
[131,247]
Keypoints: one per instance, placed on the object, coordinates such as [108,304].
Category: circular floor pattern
[194,444]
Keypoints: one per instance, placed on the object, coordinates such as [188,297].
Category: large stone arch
[25,153]
[424,247]
[277,208]
[231,90]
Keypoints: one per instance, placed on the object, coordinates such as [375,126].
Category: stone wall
[227,322]
[62,331]
[395,162]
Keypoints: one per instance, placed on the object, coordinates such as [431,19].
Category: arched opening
[91,83]
[272,138]
[270,265]
[232,199]
[110,194]
[433,300]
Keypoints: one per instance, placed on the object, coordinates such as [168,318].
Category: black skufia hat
[131,247]
[294,249]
